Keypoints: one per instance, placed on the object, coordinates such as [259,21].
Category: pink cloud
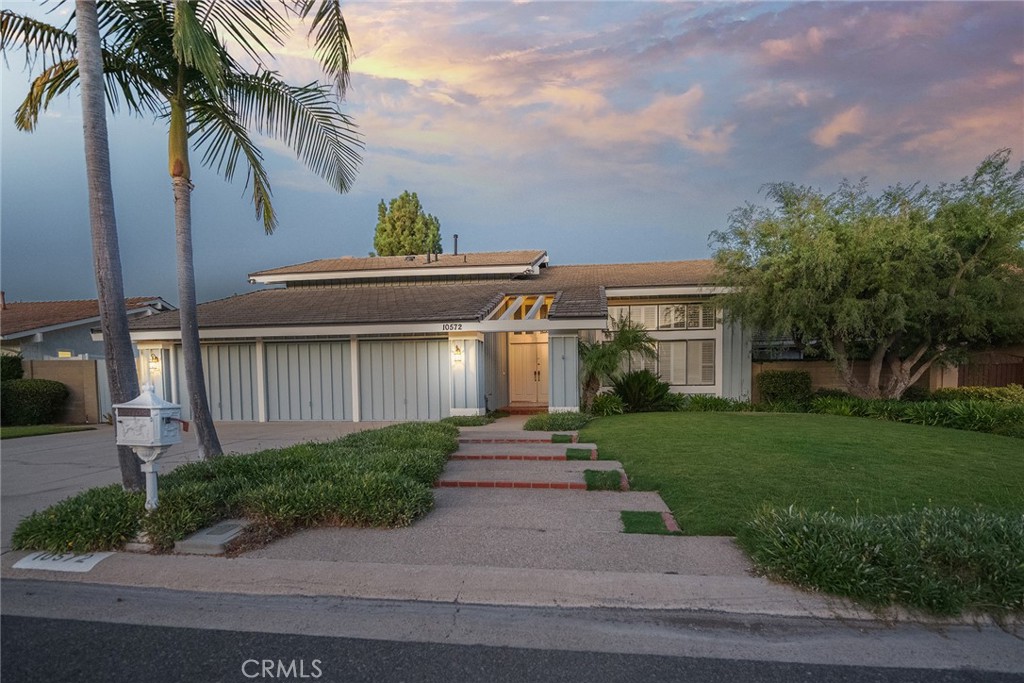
[848,122]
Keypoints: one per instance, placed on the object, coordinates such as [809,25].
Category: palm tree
[122,375]
[600,361]
[168,57]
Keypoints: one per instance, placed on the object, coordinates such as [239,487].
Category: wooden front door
[528,372]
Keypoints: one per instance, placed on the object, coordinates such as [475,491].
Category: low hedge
[784,386]
[32,401]
[943,561]
[375,478]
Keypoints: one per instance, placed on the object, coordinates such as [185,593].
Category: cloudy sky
[603,132]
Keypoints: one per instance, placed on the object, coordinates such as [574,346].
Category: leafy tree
[907,279]
[601,361]
[167,57]
[403,228]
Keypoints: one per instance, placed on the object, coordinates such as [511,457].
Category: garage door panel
[308,381]
[404,380]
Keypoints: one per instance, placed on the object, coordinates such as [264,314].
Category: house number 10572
[451,327]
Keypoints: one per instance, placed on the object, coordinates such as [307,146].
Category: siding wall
[737,370]
[468,377]
[81,379]
[496,372]
[563,373]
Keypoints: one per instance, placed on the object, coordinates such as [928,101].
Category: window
[687,363]
[643,315]
[687,316]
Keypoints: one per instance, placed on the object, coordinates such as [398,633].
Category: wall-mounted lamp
[457,354]
[154,362]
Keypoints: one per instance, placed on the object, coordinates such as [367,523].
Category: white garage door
[404,380]
[309,381]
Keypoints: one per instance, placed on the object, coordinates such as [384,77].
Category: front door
[528,370]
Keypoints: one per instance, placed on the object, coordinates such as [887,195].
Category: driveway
[38,471]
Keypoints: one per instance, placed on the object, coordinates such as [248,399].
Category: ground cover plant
[380,477]
[39,430]
[644,522]
[468,420]
[940,560]
[556,422]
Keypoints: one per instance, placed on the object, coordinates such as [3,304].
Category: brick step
[472,435]
[509,451]
[510,456]
[500,484]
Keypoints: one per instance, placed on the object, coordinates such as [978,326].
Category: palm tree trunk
[122,374]
[206,433]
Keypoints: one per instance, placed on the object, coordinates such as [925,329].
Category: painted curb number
[61,562]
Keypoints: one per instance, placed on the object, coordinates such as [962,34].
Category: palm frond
[248,23]
[195,45]
[331,42]
[225,141]
[306,118]
[53,81]
[41,40]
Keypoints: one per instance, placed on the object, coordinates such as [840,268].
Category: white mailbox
[148,421]
[149,425]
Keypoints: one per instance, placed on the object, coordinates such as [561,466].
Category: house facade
[426,337]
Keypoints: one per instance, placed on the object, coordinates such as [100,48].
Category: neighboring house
[53,330]
[56,341]
[421,338]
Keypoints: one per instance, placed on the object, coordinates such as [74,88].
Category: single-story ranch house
[425,337]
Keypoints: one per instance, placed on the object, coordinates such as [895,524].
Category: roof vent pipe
[3,300]
[456,245]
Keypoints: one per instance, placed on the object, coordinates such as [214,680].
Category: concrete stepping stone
[212,540]
[520,451]
[467,435]
[557,474]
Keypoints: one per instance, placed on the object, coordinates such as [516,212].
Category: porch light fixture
[154,362]
[457,354]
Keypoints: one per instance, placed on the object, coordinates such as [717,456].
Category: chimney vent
[3,301]
[456,245]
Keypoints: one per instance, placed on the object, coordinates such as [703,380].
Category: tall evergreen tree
[403,228]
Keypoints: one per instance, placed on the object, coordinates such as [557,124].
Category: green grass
[716,470]
[39,430]
[561,438]
[556,422]
[646,522]
[577,454]
[603,480]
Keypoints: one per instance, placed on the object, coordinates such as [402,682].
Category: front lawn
[18,432]
[715,470]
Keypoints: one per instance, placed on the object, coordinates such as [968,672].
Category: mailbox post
[149,425]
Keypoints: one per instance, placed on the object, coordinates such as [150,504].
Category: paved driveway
[38,471]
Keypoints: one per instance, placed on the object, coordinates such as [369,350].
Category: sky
[602,132]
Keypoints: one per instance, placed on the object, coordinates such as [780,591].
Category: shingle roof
[24,316]
[348,264]
[580,293]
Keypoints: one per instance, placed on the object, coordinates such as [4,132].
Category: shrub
[11,367]
[705,403]
[675,402]
[944,561]
[607,404]
[641,391]
[1012,393]
[98,519]
[825,392]
[789,386]
[32,401]
[916,393]
[557,422]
